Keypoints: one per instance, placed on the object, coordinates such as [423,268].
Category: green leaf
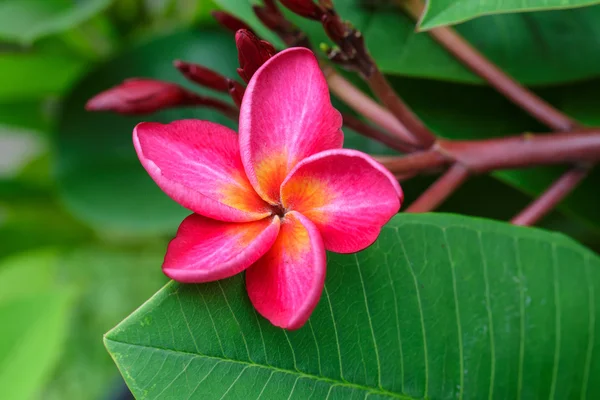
[532,47]
[24,21]
[35,313]
[440,307]
[448,12]
[36,75]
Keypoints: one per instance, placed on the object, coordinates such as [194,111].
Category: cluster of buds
[145,96]
[350,51]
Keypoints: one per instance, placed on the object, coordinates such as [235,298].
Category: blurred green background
[83,229]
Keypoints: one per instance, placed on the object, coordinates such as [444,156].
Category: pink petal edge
[347,194]
[286,116]
[285,285]
[197,164]
[206,250]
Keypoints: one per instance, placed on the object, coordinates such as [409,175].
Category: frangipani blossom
[274,198]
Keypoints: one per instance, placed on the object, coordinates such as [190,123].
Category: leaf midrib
[299,374]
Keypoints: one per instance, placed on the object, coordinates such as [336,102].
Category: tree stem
[551,197]
[521,151]
[440,190]
[364,105]
[478,63]
[415,162]
[371,132]
[525,151]
[386,94]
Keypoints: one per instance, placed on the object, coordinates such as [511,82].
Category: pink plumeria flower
[271,200]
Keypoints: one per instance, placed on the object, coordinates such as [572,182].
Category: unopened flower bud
[140,96]
[229,22]
[304,8]
[202,76]
[252,53]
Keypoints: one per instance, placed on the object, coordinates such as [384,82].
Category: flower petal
[346,194]
[197,163]
[206,250]
[285,285]
[286,116]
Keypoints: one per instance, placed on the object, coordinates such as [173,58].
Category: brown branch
[364,105]
[415,163]
[386,94]
[371,132]
[478,63]
[353,54]
[525,151]
[226,109]
[551,197]
[440,190]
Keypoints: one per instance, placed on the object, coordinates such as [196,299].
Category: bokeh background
[83,229]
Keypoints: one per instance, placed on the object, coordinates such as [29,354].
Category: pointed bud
[229,22]
[252,53]
[202,76]
[140,96]
[304,8]
[236,91]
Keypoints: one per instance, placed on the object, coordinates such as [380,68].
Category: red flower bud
[304,8]
[252,53]
[229,22]
[140,96]
[202,76]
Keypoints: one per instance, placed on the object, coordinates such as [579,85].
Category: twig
[440,190]
[382,89]
[525,151]
[228,110]
[353,54]
[478,63]
[364,105]
[551,197]
[415,162]
[370,131]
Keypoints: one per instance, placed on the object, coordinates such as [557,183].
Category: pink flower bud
[202,76]
[139,96]
[252,53]
[304,8]
[229,22]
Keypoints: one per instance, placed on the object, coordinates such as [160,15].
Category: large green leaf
[447,12]
[440,307]
[532,47]
[34,314]
[24,21]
